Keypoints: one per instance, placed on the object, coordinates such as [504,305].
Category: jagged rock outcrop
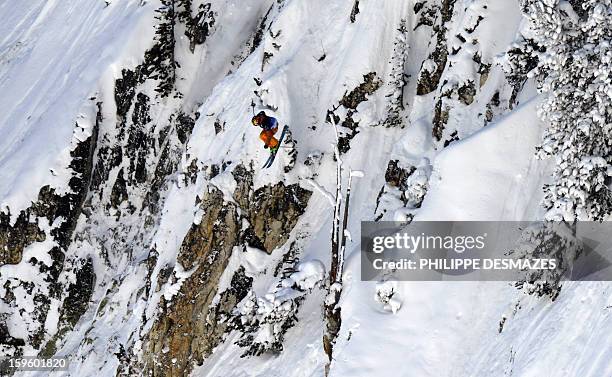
[119,171]
[63,211]
[192,323]
[350,101]
[273,212]
[183,331]
[405,186]
[51,206]
[431,73]
[14,238]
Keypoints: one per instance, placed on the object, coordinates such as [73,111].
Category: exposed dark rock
[495,99]
[292,151]
[167,163]
[167,159]
[5,336]
[354,11]
[290,259]
[258,37]
[163,276]
[119,193]
[493,103]
[198,27]
[404,182]
[453,137]
[369,85]
[41,308]
[473,28]
[484,70]
[577,7]
[139,140]
[467,92]
[150,262]
[140,116]
[225,165]
[418,6]
[502,322]
[213,171]
[217,231]
[182,329]
[184,127]
[7,340]
[251,239]
[244,185]
[344,141]
[107,159]
[351,100]
[266,58]
[129,154]
[79,293]
[428,81]
[439,120]
[427,15]
[125,89]
[219,126]
[189,327]
[397,176]
[13,239]
[274,211]
[191,173]
[53,272]
[74,306]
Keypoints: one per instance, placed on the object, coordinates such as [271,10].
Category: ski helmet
[258,119]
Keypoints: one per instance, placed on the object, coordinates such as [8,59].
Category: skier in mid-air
[269,127]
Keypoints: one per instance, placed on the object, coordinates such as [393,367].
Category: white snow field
[56,55]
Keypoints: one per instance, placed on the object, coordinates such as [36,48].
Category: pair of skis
[270,159]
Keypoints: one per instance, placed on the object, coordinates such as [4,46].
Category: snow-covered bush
[264,320]
[386,294]
[575,72]
[416,186]
[518,62]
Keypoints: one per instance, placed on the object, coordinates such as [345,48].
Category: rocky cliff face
[193,324]
[165,224]
[120,174]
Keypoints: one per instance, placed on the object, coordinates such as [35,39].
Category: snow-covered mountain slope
[54,56]
[139,234]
